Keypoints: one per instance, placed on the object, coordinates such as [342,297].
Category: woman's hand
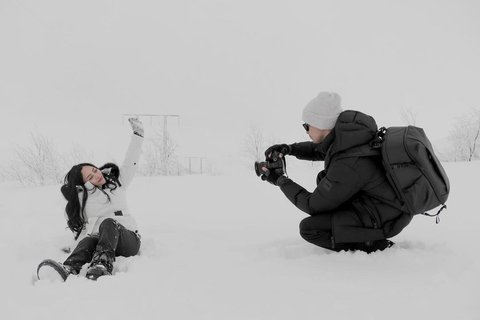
[137,126]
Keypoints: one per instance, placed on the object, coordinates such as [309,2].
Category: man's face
[317,135]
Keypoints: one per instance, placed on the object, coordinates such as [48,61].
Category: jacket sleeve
[339,185]
[130,163]
[307,151]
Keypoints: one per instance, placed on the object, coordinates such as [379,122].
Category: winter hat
[322,112]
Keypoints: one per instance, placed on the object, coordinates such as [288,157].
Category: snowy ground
[227,247]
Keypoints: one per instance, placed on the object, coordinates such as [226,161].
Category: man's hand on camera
[274,176]
[283,149]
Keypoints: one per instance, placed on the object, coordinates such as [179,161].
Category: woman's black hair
[111,172]
[73,185]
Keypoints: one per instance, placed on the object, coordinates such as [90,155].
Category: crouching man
[353,206]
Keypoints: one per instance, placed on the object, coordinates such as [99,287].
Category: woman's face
[93,175]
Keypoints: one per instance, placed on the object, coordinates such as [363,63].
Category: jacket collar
[352,129]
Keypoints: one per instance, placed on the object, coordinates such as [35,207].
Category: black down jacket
[354,189]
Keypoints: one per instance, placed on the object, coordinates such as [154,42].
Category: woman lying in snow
[98,216]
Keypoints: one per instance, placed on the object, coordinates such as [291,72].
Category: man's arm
[307,151]
[341,183]
[301,150]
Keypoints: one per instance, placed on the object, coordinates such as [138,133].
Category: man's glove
[137,126]
[273,175]
[283,149]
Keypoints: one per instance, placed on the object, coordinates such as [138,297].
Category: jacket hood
[352,129]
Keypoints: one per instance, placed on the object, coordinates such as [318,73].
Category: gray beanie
[322,112]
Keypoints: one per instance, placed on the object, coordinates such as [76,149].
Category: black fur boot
[101,265]
[54,271]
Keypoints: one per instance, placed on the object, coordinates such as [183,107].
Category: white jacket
[98,207]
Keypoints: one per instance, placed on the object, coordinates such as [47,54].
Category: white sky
[70,69]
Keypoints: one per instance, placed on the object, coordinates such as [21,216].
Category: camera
[271,164]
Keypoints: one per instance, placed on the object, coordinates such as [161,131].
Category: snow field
[227,247]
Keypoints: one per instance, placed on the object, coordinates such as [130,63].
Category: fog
[71,69]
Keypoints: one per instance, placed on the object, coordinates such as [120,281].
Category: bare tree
[465,137]
[474,134]
[159,156]
[37,164]
[77,154]
[409,116]
[254,144]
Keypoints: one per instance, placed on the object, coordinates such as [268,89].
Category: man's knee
[310,231]
[316,224]
[305,228]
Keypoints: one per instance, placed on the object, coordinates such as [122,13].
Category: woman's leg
[116,240]
[82,253]
[128,243]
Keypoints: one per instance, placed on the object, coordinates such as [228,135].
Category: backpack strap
[371,149]
[365,150]
[437,215]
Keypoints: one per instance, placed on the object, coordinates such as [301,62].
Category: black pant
[113,239]
[318,230]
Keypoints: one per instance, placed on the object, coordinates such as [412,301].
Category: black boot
[101,265]
[377,245]
[54,271]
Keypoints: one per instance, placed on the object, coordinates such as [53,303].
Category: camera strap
[284,167]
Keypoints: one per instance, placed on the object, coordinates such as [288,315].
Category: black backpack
[412,169]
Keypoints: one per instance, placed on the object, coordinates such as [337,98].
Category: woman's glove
[137,126]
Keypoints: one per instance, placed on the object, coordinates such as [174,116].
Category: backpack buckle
[378,140]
